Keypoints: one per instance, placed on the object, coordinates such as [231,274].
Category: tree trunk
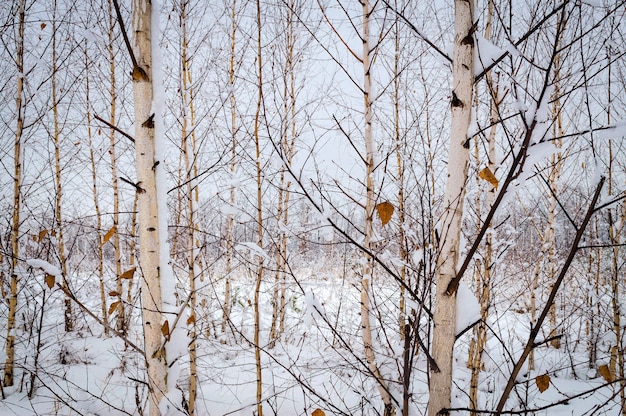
[189,146]
[259,179]
[484,268]
[149,245]
[117,249]
[444,333]
[96,201]
[370,202]
[58,208]
[17,185]
[233,154]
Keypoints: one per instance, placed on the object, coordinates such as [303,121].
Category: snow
[467,308]
[486,53]
[252,248]
[45,266]
[176,346]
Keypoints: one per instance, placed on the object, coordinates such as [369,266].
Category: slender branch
[114,127]
[100,321]
[138,72]
[520,40]
[530,344]
[566,400]
[418,33]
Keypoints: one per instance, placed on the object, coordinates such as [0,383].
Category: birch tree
[149,243]
[444,331]
[9,364]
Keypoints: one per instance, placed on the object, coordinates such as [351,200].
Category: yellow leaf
[128,274]
[50,279]
[318,412]
[108,235]
[488,175]
[543,382]
[191,319]
[385,211]
[113,307]
[165,329]
[606,373]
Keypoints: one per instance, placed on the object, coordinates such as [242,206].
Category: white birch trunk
[17,184]
[445,303]
[366,326]
[149,246]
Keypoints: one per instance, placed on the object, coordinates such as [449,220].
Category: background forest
[298,207]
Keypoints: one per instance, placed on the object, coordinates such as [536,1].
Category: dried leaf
[318,412]
[50,280]
[42,26]
[128,274]
[165,329]
[606,373]
[42,234]
[385,211]
[488,175]
[543,382]
[113,293]
[108,235]
[192,319]
[113,307]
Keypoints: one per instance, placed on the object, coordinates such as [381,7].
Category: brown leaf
[318,412]
[192,319]
[543,382]
[42,234]
[128,274]
[42,26]
[165,329]
[488,175]
[108,235]
[113,293]
[50,279]
[113,307]
[385,211]
[606,373]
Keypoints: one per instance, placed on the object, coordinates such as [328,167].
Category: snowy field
[318,364]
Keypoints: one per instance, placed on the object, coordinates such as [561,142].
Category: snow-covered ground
[318,364]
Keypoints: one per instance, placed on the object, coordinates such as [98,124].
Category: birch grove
[326,207]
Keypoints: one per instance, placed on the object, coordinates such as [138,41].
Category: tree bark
[444,333]
[189,147]
[370,202]
[149,245]
[58,206]
[17,185]
[259,197]
[117,248]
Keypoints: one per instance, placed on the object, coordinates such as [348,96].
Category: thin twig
[114,127]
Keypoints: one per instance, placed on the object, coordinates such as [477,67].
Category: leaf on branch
[487,174]
[42,26]
[113,293]
[113,307]
[318,412]
[543,382]
[606,373]
[165,329]
[50,280]
[385,211]
[42,234]
[128,274]
[108,235]
[192,319]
